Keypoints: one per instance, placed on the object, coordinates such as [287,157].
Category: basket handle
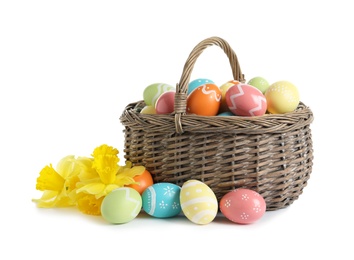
[182,86]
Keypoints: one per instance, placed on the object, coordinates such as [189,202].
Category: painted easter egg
[153,92]
[223,88]
[204,100]
[148,110]
[165,104]
[162,200]
[260,83]
[282,97]
[196,83]
[198,202]
[121,205]
[227,113]
[143,181]
[243,206]
[246,100]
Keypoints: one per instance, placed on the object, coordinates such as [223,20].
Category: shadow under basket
[270,154]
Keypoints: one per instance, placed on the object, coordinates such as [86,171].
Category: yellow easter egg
[198,202]
[223,88]
[148,110]
[282,97]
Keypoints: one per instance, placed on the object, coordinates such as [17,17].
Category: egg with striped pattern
[161,200]
[198,202]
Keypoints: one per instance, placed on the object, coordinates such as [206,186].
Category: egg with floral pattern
[243,206]
[161,200]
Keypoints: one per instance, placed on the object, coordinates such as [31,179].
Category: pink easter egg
[246,100]
[243,206]
[165,104]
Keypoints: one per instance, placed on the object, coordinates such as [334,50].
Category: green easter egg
[260,83]
[154,91]
[121,205]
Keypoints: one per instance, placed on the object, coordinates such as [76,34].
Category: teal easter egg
[153,92]
[226,114]
[196,83]
[121,205]
[161,200]
[260,83]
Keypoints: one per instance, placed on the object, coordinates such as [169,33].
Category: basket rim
[268,123]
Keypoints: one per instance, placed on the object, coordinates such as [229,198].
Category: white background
[68,69]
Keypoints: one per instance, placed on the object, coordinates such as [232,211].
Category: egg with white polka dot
[260,83]
[161,200]
[198,202]
[282,97]
[196,83]
[243,206]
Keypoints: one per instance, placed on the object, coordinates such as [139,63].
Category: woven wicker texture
[271,154]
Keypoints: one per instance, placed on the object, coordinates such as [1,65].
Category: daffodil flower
[58,185]
[84,181]
[110,174]
[89,204]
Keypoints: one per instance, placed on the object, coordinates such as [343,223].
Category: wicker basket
[271,154]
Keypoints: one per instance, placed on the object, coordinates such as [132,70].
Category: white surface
[67,70]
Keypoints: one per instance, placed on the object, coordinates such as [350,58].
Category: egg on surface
[282,97]
[196,83]
[198,202]
[204,100]
[162,200]
[246,100]
[260,83]
[223,88]
[153,92]
[121,205]
[143,180]
[165,104]
[243,206]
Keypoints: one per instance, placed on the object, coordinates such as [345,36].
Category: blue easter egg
[161,200]
[226,114]
[196,83]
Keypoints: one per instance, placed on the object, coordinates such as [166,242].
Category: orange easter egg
[204,100]
[145,180]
